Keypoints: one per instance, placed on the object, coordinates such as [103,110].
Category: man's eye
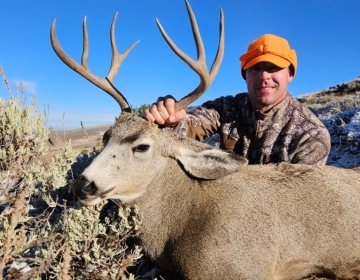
[272,69]
[141,148]
[255,69]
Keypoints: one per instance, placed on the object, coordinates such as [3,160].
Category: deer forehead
[133,130]
[129,128]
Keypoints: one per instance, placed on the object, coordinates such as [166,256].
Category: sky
[324,33]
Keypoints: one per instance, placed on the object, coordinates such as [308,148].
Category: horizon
[323,37]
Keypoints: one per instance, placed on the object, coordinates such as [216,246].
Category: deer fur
[209,215]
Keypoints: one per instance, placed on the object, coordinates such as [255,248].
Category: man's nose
[264,74]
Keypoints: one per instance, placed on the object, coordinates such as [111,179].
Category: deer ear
[209,163]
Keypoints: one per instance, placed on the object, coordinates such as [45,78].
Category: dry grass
[334,99]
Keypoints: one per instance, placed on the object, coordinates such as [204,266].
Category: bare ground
[80,138]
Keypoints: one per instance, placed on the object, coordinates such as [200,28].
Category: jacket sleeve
[314,147]
[202,122]
[199,123]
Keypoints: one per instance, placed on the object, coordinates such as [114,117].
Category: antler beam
[199,65]
[105,84]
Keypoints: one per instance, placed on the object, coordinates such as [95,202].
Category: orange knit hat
[269,48]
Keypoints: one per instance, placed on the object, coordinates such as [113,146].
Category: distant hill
[81,138]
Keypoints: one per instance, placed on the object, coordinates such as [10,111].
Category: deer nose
[83,188]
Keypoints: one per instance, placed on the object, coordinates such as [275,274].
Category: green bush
[44,232]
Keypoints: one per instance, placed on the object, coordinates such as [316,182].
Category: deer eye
[105,139]
[141,148]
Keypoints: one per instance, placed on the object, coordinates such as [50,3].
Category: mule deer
[207,215]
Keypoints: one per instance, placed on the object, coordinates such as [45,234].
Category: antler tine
[199,65]
[85,52]
[117,58]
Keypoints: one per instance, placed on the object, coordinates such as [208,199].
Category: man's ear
[290,78]
[291,73]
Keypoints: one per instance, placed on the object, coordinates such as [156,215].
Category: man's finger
[169,104]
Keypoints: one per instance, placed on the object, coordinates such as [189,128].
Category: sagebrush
[44,233]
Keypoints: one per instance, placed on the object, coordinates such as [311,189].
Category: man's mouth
[265,89]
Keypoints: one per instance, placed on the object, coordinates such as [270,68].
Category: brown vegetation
[334,100]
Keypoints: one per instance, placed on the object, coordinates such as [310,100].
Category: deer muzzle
[83,188]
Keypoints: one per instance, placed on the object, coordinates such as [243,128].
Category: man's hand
[163,112]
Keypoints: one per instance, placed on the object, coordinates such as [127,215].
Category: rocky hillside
[334,100]
[339,109]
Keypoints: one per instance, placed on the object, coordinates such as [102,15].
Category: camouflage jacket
[288,132]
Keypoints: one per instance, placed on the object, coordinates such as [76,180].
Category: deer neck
[171,200]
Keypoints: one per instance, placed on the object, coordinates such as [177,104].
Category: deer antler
[199,65]
[105,84]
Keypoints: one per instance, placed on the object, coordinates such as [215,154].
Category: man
[264,125]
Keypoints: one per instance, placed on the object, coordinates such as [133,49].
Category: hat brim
[267,57]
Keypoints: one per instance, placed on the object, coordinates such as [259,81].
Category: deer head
[137,152]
